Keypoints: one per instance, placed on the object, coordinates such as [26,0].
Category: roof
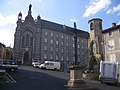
[111,29]
[58,27]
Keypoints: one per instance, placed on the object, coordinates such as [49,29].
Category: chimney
[113,24]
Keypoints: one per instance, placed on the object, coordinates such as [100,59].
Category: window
[57,50]
[62,51]
[51,56]
[57,42]
[46,40]
[67,44]
[119,40]
[67,59]
[91,26]
[51,34]
[67,51]
[45,47]
[73,45]
[73,39]
[67,37]
[62,43]
[57,35]
[110,33]
[78,46]
[45,56]
[119,30]
[57,57]
[51,49]
[111,45]
[23,41]
[51,41]
[78,40]
[62,36]
[61,58]
[112,57]
[46,33]
[31,41]
[27,40]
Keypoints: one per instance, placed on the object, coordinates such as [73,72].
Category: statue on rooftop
[30,7]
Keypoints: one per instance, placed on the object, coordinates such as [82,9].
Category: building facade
[103,44]
[112,43]
[44,40]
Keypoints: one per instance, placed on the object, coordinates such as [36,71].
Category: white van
[50,65]
[109,72]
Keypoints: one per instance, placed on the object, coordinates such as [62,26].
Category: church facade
[44,40]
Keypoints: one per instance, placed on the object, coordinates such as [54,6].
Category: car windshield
[9,62]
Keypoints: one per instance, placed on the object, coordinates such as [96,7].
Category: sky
[64,12]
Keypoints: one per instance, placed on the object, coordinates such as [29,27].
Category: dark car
[10,65]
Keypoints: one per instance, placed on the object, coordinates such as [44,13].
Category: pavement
[30,78]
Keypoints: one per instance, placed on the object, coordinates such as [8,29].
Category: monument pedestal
[76,78]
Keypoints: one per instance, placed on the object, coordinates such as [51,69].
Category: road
[30,78]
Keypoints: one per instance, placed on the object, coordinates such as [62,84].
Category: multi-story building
[44,40]
[112,43]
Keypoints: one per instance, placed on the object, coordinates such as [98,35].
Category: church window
[27,40]
[93,48]
[23,41]
[31,41]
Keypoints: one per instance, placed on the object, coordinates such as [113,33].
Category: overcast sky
[59,11]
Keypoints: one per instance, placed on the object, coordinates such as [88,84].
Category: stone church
[44,40]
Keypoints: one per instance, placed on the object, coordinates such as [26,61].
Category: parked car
[10,65]
[35,63]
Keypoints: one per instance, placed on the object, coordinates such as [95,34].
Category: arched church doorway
[94,64]
[26,57]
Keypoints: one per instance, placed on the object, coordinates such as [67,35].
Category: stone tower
[95,43]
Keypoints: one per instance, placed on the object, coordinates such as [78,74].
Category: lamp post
[76,82]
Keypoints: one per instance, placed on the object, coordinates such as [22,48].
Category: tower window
[91,26]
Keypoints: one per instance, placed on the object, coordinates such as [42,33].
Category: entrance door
[26,58]
[94,65]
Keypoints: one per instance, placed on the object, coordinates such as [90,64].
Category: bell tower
[95,43]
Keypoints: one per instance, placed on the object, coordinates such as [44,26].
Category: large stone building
[44,40]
